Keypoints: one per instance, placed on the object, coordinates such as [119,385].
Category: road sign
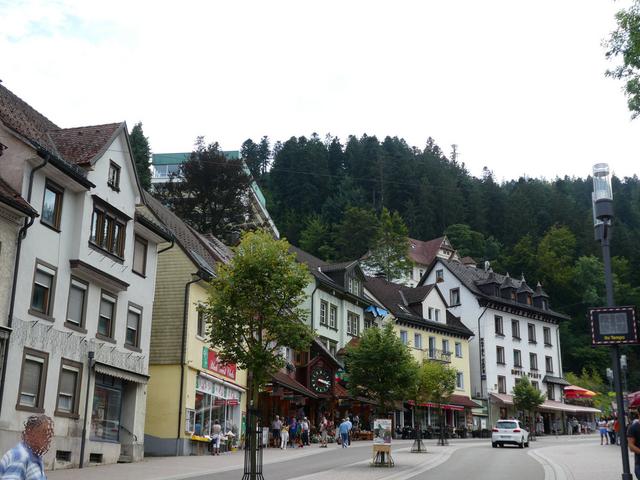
[613,326]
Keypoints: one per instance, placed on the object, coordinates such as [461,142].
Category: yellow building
[422,321]
[188,389]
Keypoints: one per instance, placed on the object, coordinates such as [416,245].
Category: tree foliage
[380,367]
[141,152]
[390,249]
[436,382]
[527,398]
[209,192]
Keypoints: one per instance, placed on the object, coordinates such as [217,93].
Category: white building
[516,334]
[423,253]
[85,281]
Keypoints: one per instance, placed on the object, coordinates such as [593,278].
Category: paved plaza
[548,458]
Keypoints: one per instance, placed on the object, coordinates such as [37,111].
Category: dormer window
[114,176]
[354,285]
[529,300]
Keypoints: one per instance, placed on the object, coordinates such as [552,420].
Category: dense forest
[326,197]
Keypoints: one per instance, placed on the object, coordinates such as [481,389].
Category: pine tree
[141,155]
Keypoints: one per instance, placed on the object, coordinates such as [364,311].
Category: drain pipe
[21,236]
[183,348]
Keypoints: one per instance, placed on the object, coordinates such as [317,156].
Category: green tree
[527,398]
[437,382]
[315,238]
[254,309]
[249,152]
[380,367]
[210,192]
[141,155]
[624,42]
[355,234]
[389,252]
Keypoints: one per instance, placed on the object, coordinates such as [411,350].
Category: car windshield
[510,425]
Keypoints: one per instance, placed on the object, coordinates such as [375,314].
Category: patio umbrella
[634,399]
[573,391]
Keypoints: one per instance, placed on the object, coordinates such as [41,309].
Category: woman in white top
[216,433]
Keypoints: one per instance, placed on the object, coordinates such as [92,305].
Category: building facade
[423,253]
[188,389]
[86,277]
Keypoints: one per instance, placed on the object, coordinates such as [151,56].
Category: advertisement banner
[382,431]
[210,361]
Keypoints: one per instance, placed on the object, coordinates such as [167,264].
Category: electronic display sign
[613,325]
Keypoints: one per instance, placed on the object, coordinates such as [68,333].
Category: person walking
[284,437]
[24,461]
[276,426]
[305,431]
[349,432]
[611,431]
[633,438]
[324,425]
[344,428]
[293,431]
[216,436]
[604,434]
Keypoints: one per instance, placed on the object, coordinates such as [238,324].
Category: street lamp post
[603,218]
[90,361]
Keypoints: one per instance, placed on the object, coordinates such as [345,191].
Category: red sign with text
[210,361]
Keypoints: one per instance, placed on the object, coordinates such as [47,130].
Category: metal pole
[86,411]
[615,356]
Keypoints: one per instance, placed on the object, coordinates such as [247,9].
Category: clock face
[320,380]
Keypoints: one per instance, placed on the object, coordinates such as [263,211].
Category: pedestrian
[284,437]
[616,430]
[324,425]
[633,438]
[216,434]
[305,431]
[611,431]
[24,461]
[349,433]
[293,431]
[604,435]
[276,426]
[344,428]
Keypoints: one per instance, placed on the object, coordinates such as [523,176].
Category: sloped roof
[424,252]
[80,145]
[194,245]
[12,198]
[391,296]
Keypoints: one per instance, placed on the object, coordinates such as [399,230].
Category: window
[502,384]
[333,348]
[548,363]
[69,388]
[324,312]
[547,335]
[454,296]
[498,325]
[107,315]
[52,205]
[420,274]
[201,330]
[33,380]
[551,391]
[531,328]
[430,314]
[134,315]
[114,176]
[354,285]
[432,347]
[437,315]
[404,337]
[460,380]
[43,289]
[445,346]
[107,404]
[140,256]
[333,316]
[77,303]
[108,231]
[517,358]
[458,347]
[500,355]
[533,361]
[536,385]
[515,329]
[417,341]
[353,324]
[439,275]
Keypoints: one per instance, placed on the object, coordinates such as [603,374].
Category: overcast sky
[518,86]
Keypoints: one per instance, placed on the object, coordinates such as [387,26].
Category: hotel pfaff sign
[613,326]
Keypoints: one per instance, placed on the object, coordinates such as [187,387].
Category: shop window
[51,213]
[69,388]
[42,293]
[106,412]
[190,420]
[33,380]
[140,256]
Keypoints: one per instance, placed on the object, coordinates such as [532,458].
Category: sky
[518,86]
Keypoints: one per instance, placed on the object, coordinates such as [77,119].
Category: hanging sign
[210,361]
[613,326]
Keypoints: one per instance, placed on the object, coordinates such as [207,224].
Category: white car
[509,432]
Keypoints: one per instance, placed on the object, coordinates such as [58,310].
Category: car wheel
[494,444]
[521,445]
[526,444]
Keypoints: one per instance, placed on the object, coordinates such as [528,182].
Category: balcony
[436,355]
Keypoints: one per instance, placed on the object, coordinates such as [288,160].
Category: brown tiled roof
[285,380]
[462,400]
[188,239]
[80,145]
[424,252]
[12,198]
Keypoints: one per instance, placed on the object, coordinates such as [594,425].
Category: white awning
[121,373]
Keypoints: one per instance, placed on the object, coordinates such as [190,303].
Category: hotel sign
[613,326]
[210,361]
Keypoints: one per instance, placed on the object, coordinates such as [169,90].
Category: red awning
[437,405]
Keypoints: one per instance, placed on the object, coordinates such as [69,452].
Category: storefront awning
[556,380]
[116,372]
[285,380]
[437,405]
[549,405]
[463,401]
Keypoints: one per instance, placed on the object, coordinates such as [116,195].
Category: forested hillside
[325,196]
